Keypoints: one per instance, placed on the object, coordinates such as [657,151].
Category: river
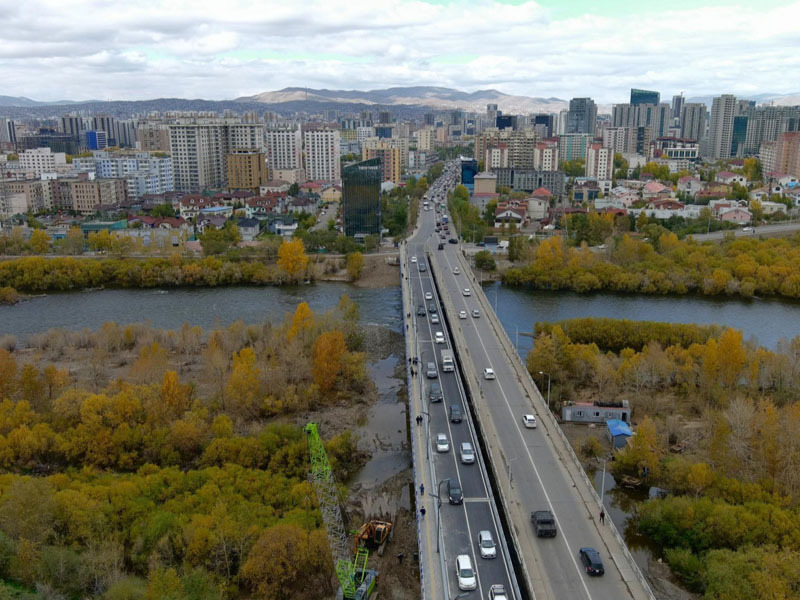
[764,320]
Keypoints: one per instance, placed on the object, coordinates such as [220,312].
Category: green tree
[294,189]
[485,261]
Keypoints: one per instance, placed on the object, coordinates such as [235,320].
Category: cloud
[83,49]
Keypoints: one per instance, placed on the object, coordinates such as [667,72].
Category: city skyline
[212,51]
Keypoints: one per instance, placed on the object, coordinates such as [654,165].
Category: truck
[544,523]
[445,219]
[447,361]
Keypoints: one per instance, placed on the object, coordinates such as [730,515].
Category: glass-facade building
[469,168]
[739,135]
[361,198]
[644,97]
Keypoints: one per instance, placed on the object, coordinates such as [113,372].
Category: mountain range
[434,97]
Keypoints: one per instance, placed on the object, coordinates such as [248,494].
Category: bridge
[517,470]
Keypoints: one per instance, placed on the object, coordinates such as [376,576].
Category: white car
[529,421]
[467,453]
[488,373]
[747,229]
[442,445]
[465,573]
[486,544]
[467,292]
[439,337]
[476,313]
[413,259]
[428,296]
[456,270]
[462,314]
[434,319]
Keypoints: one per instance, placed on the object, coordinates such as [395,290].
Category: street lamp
[603,483]
[439,512]
[548,389]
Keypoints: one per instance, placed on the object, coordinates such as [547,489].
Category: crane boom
[328,499]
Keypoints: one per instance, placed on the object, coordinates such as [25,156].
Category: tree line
[124,479]
[664,264]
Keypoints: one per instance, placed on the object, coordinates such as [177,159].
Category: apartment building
[615,138]
[389,154]
[787,154]
[572,146]
[321,143]
[599,162]
[693,121]
[284,147]
[545,156]
[720,127]
[582,116]
[143,172]
[425,139]
[655,116]
[42,160]
[200,146]
[152,136]
[247,170]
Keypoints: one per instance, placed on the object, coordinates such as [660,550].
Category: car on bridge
[455,413]
[529,421]
[465,573]
[467,453]
[591,560]
[434,319]
[454,493]
[421,310]
[439,337]
[467,292]
[486,544]
[430,371]
[442,445]
[498,592]
[544,523]
[488,373]
[462,314]
[435,393]
[475,313]
[413,259]
[428,296]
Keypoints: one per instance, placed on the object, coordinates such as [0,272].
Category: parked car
[442,445]
[488,373]
[591,560]
[455,413]
[529,421]
[544,523]
[486,544]
[467,453]
[435,392]
[454,493]
[465,573]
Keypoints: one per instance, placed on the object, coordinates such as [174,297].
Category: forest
[148,464]
[664,264]
[729,523]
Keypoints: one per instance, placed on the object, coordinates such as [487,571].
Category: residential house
[655,190]
[511,212]
[770,208]
[274,186]
[585,192]
[301,205]
[729,178]
[664,204]
[214,221]
[248,229]
[537,207]
[714,191]
[283,225]
[689,185]
[618,433]
[332,194]
[595,412]
[735,215]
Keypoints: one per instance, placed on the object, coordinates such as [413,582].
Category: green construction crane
[355,579]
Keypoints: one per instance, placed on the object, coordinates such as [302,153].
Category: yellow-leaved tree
[40,241]
[243,390]
[302,321]
[355,264]
[292,258]
[328,353]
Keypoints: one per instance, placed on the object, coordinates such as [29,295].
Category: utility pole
[548,389]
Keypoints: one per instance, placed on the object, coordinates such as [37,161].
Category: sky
[133,50]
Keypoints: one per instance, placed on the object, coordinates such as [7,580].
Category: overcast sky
[138,49]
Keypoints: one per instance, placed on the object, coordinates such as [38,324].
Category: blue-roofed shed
[618,433]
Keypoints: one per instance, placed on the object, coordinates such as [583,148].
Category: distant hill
[17,101]
[434,97]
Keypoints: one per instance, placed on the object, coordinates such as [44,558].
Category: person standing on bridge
[602,516]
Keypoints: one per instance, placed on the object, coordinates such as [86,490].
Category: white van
[465,573]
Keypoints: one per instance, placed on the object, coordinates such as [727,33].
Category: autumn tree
[292,258]
[174,394]
[151,364]
[302,321]
[8,373]
[642,454]
[328,352]
[40,241]
[243,390]
[355,264]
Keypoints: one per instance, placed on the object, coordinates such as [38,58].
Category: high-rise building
[545,156]
[720,126]
[73,125]
[599,162]
[322,153]
[107,124]
[200,146]
[767,156]
[469,168]
[677,106]
[384,116]
[144,173]
[247,170]
[361,198]
[787,154]
[561,124]
[766,123]
[614,138]
[693,121]
[152,136]
[284,147]
[572,146]
[8,131]
[638,140]
[389,155]
[655,116]
[582,116]
[425,138]
[96,140]
[430,119]
[739,135]
[644,97]
[546,120]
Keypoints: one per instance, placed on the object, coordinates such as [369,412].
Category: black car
[453,240]
[455,413]
[432,308]
[421,310]
[544,523]
[591,560]
[422,266]
[435,393]
[454,493]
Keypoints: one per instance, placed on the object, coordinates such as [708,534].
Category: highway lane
[460,523]
[540,479]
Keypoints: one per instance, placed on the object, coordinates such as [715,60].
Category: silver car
[467,453]
[486,544]
[442,444]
